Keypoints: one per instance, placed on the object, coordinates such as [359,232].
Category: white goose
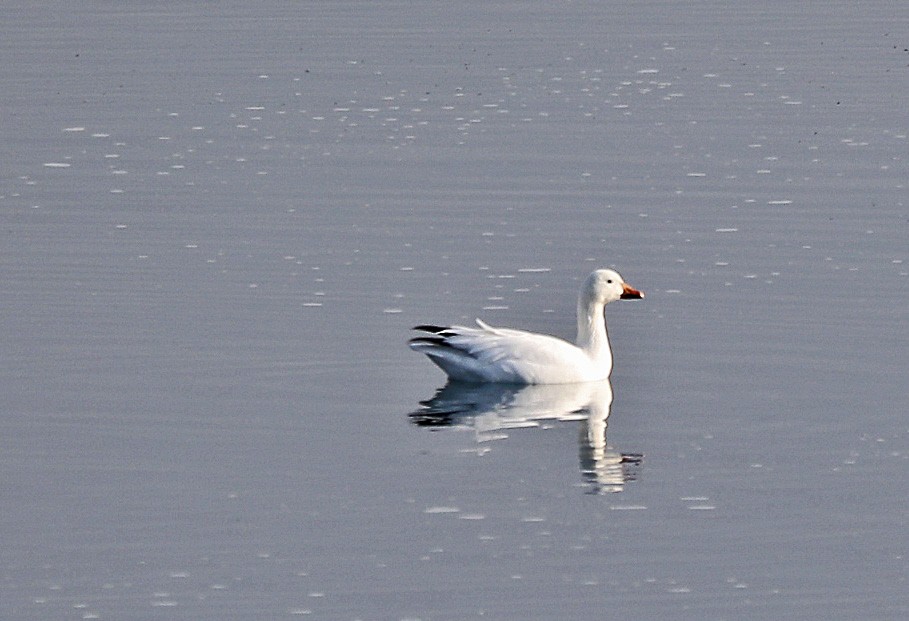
[505,356]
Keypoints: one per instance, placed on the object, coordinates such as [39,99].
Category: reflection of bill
[492,409]
[603,467]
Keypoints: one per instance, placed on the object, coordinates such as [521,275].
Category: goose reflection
[490,410]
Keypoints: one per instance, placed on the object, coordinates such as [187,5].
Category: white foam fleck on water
[627,508]
[729,230]
[533,270]
[441,509]
[780,202]
[74,129]
[57,165]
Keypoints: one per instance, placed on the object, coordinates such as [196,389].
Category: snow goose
[506,356]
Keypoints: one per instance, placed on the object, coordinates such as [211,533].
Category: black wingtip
[430,328]
[428,340]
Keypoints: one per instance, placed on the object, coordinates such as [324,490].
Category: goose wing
[488,354]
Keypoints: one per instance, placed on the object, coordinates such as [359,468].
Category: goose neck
[592,335]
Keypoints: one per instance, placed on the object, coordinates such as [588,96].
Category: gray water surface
[220,221]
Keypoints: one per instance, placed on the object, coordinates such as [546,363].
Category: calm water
[220,221]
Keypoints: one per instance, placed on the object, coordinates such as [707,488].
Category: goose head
[605,286]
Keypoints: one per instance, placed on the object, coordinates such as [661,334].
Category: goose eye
[609,281]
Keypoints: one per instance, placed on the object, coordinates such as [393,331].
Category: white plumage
[506,356]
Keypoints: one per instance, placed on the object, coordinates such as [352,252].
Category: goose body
[506,356]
